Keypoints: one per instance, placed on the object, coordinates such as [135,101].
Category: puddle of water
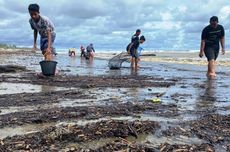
[82,122]
[125,94]
[145,117]
[80,103]
[21,130]
[4,110]
[183,140]
[15,88]
[107,96]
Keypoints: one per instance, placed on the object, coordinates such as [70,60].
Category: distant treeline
[7,46]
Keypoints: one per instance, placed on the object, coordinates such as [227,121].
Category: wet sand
[87,107]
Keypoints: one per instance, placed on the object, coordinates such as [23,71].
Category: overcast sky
[166,24]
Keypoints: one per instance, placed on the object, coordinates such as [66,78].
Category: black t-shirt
[135,44]
[212,35]
[134,38]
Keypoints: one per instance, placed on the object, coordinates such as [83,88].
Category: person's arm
[35,40]
[222,42]
[49,42]
[202,45]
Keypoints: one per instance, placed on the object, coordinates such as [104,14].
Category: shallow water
[193,93]
[21,130]
[15,88]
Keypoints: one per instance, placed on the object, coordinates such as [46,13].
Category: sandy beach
[166,105]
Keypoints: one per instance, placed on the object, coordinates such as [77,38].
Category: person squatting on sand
[132,49]
[46,30]
[211,36]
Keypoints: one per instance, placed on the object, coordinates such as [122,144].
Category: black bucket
[48,67]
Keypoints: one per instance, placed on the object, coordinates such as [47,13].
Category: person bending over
[42,25]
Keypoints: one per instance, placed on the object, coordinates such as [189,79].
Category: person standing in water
[136,35]
[134,52]
[90,50]
[211,36]
[45,28]
[82,49]
[134,39]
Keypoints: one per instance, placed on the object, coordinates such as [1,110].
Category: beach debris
[153,100]
[55,136]
[11,68]
[156,100]
[160,94]
[186,148]
[212,129]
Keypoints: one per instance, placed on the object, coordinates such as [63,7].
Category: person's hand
[201,54]
[48,50]
[223,51]
[128,51]
[48,54]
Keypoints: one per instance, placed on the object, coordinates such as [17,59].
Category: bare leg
[138,64]
[136,61]
[132,62]
[211,68]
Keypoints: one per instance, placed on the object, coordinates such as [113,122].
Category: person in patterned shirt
[43,26]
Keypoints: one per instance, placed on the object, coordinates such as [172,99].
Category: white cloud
[165,24]
[182,9]
[224,13]
[166,16]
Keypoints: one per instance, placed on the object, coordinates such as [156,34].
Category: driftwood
[11,68]
[150,54]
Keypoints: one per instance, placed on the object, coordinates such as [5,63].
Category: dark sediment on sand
[111,123]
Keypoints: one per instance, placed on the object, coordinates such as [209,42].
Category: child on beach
[132,48]
[45,28]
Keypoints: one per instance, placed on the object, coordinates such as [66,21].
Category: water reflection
[116,72]
[73,60]
[207,97]
[134,72]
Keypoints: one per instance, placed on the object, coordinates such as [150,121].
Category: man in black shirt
[134,38]
[133,51]
[212,35]
[136,35]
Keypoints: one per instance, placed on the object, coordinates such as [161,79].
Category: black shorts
[133,53]
[211,53]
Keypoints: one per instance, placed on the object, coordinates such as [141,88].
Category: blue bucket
[48,67]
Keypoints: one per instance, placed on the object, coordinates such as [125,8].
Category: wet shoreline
[161,107]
